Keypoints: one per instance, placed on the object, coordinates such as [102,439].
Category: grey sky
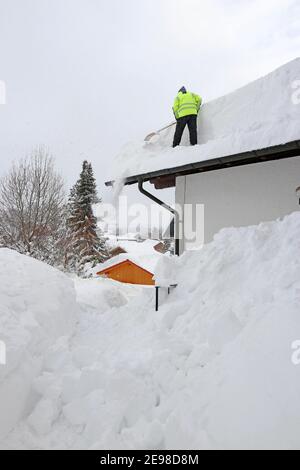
[85,76]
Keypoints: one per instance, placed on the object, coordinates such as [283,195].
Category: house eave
[277,152]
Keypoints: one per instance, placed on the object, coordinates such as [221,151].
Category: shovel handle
[149,136]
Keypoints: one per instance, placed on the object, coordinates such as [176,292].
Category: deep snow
[212,369]
[37,306]
[261,114]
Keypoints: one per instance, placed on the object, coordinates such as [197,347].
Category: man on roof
[186,108]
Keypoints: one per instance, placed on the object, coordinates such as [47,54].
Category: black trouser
[191,121]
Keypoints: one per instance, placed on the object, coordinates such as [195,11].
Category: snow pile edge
[37,306]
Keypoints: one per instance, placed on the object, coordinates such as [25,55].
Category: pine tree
[86,243]
[92,183]
[71,260]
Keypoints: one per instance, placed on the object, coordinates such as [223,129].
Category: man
[186,108]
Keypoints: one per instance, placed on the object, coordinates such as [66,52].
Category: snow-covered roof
[138,248]
[260,115]
[147,263]
[117,260]
[140,253]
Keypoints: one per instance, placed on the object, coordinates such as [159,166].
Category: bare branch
[32,202]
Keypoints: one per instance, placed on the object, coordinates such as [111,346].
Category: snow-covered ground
[261,114]
[212,369]
[37,307]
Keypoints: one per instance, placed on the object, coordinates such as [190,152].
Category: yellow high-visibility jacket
[186,104]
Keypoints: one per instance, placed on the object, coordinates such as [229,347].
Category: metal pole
[156,298]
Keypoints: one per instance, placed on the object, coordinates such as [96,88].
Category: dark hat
[182,89]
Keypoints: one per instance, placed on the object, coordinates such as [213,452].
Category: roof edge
[120,263]
[288,150]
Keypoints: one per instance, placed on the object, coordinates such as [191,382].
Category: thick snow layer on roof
[140,253]
[145,248]
[257,116]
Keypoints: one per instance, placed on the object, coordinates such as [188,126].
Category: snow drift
[37,306]
[238,321]
[211,370]
[257,116]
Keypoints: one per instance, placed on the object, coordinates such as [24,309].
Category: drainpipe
[165,206]
[298,193]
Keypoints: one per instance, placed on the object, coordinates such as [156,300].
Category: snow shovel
[150,136]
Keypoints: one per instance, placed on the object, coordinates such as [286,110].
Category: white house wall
[240,196]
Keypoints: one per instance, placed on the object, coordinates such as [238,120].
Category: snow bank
[37,306]
[211,370]
[259,115]
[240,317]
[100,294]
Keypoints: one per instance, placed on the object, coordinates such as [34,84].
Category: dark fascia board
[288,150]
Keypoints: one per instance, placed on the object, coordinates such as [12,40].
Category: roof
[169,175]
[258,122]
[120,263]
[147,261]
[139,249]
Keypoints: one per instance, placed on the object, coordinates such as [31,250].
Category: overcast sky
[84,77]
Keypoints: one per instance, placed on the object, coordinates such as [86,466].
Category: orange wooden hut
[128,272]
